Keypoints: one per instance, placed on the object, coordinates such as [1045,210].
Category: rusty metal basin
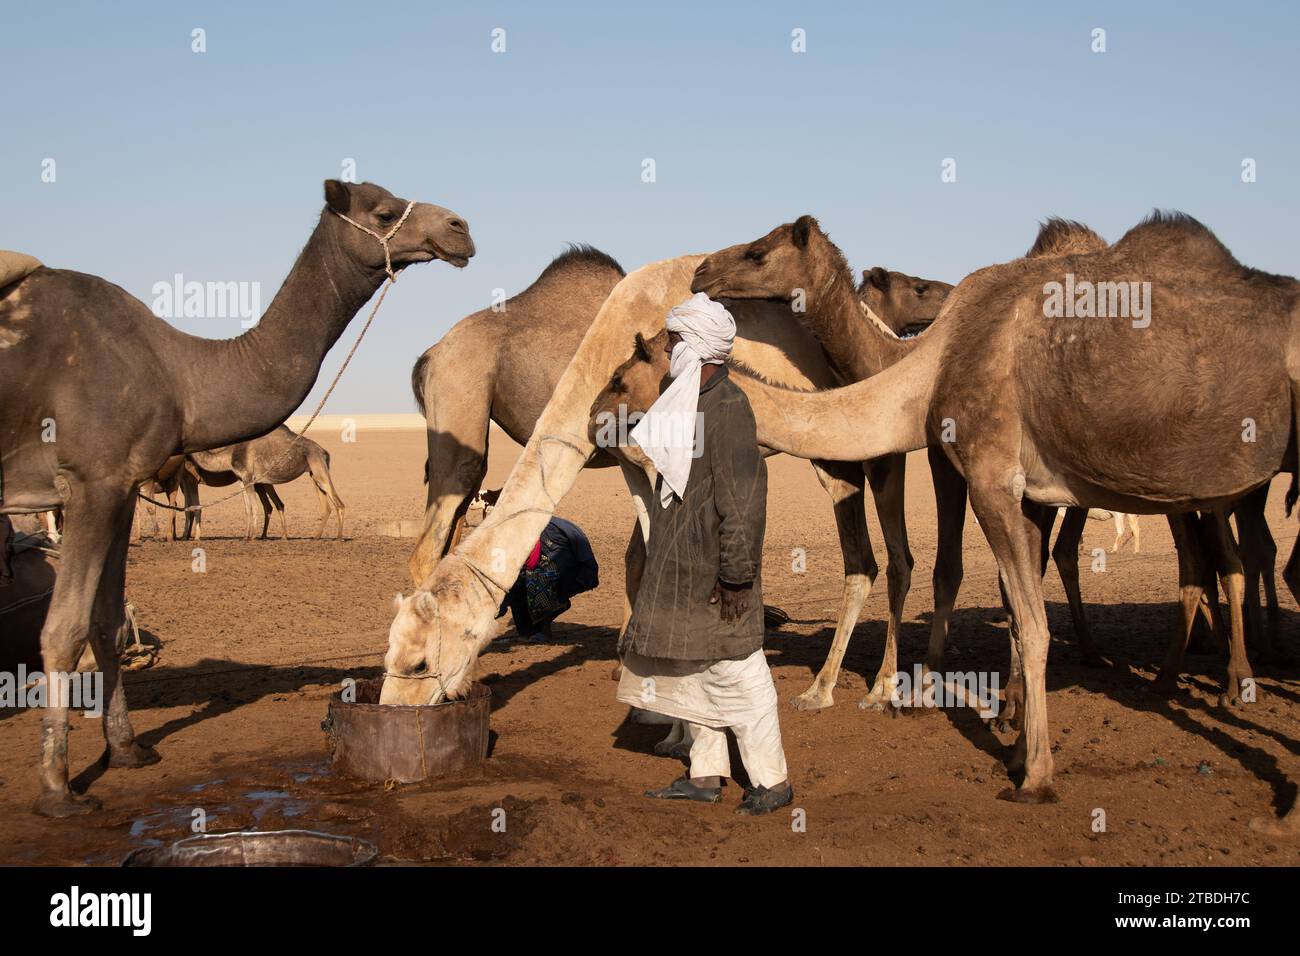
[406,744]
[271,848]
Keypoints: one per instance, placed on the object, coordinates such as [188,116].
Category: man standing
[693,649]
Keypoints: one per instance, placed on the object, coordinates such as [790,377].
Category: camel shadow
[1132,637]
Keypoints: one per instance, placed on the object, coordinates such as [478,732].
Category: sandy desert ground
[254,646]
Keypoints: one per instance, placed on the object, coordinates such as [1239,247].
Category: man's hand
[734,599]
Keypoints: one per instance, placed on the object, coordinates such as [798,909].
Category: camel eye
[754,256]
[386,217]
[420,668]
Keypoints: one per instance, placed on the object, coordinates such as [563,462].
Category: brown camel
[1181,396]
[800,256]
[275,458]
[133,391]
[907,304]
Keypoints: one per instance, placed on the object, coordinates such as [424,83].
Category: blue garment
[565,567]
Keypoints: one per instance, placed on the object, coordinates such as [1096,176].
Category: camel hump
[1064,237]
[1179,238]
[15,266]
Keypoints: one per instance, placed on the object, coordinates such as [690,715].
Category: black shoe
[683,789]
[760,800]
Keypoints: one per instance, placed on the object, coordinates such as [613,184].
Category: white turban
[667,432]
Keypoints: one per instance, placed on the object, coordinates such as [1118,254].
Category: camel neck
[857,344]
[236,389]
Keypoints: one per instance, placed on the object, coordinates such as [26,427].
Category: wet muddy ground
[255,644]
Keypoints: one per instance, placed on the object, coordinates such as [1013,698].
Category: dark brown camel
[132,391]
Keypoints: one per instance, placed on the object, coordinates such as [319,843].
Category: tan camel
[133,391]
[499,365]
[276,458]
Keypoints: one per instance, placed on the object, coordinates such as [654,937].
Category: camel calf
[276,458]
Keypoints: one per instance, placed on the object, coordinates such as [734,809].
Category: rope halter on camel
[383,240]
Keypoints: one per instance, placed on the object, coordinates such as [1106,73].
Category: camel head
[435,638]
[900,299]
[631,390]
[787,260]
[429,232]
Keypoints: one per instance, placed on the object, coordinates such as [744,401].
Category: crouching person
[693,649]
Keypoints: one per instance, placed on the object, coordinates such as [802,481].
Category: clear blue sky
[211,164]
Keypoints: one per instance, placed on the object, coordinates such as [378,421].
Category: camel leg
[950,509]
[1065,553]
[108,620]
[1228,561]
[319,467]
[250,495]
[279,507]
[887,477]
[455,470]
[1011,716]
[1191,591]
[92,513]
[846,483]
[265,502]
[1016,542]
[1259,558]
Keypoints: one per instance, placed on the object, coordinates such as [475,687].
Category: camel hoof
[872,703]
[1006,725]
[60,804]
[811,699]
[1229,702]
[137,755]
[1030,795]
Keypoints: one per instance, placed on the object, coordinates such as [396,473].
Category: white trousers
[711,696]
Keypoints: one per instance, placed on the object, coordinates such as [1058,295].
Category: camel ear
[397,601]
[642,348]
[878,277]
[337,196]
[803,227]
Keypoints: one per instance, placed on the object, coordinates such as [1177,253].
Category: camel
[800,256]
[906,304]
[1039,413]
[133,391]
[275,458]
[499,365]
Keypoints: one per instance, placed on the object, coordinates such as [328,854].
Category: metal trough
[272,848]
[378,742]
